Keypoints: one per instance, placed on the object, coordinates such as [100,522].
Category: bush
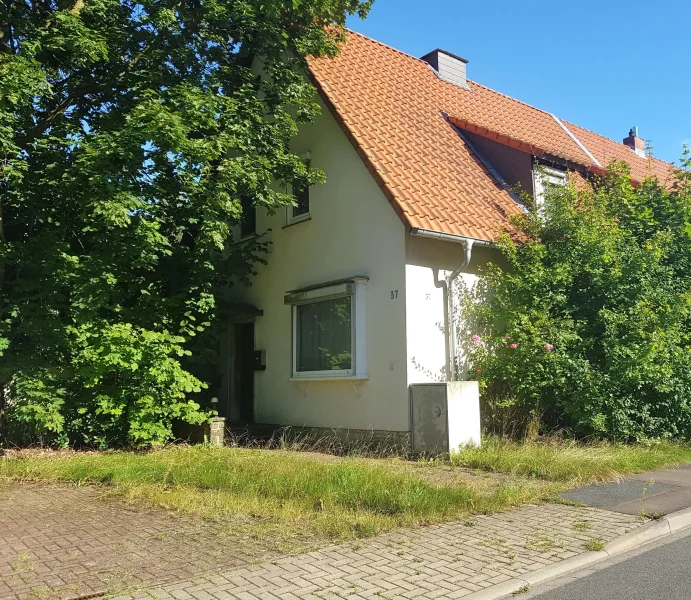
[589,324]
[123,386]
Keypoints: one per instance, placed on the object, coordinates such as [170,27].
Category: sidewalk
[456,560]
[653,493]
[59,542]
[444,561]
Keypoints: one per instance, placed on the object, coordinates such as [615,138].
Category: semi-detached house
[351,308]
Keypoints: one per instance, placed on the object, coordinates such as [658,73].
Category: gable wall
[353,232]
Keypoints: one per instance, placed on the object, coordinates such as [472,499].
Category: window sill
[297,221]
[325,378]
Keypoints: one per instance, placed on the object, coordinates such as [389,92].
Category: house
[352,307]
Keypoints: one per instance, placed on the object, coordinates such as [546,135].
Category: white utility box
[444,416]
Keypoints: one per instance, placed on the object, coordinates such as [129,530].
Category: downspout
[443,284]
[452,326]
[446,285]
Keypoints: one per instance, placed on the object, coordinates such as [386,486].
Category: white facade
[428,261]
[352,232]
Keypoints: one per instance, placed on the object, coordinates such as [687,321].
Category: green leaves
[128,130]
[602,282]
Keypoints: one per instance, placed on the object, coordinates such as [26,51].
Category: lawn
[553,459]
[300,497]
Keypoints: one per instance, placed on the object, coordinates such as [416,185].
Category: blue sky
[606,65]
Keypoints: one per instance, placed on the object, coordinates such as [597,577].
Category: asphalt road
[661,570]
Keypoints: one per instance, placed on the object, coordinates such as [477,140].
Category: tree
[589,325]
[129,131]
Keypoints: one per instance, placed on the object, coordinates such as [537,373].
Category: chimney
[635,143]
[448,66]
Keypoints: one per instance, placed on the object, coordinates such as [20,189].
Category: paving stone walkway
[59,542]
[64,542]
[444,561]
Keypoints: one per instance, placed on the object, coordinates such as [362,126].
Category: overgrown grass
[301,499]
[553,459]
[286,495]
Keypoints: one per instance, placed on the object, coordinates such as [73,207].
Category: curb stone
[649,532]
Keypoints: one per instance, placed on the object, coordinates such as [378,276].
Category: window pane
[324,335]
[248,223]
[302,198]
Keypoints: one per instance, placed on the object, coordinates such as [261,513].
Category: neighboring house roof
[606,151]
[400,117]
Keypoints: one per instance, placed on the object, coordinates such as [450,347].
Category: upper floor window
[301,210]
[545,178]
[248,220]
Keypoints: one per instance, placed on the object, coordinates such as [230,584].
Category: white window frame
[354,288]
[290,217]
[542,175]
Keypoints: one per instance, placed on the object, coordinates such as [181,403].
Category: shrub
[126,388]
[588,325]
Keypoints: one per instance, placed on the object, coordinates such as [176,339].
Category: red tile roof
[607,151]
[398,113]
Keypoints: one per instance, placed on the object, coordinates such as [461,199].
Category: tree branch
[3,403]
[43,124]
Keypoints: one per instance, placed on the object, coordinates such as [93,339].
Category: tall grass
[276,493]
[553,459]
[335,442]
[298,499]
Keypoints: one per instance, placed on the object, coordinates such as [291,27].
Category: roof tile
[399,115]
[607,151]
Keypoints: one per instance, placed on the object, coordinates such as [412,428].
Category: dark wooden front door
[244,371]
